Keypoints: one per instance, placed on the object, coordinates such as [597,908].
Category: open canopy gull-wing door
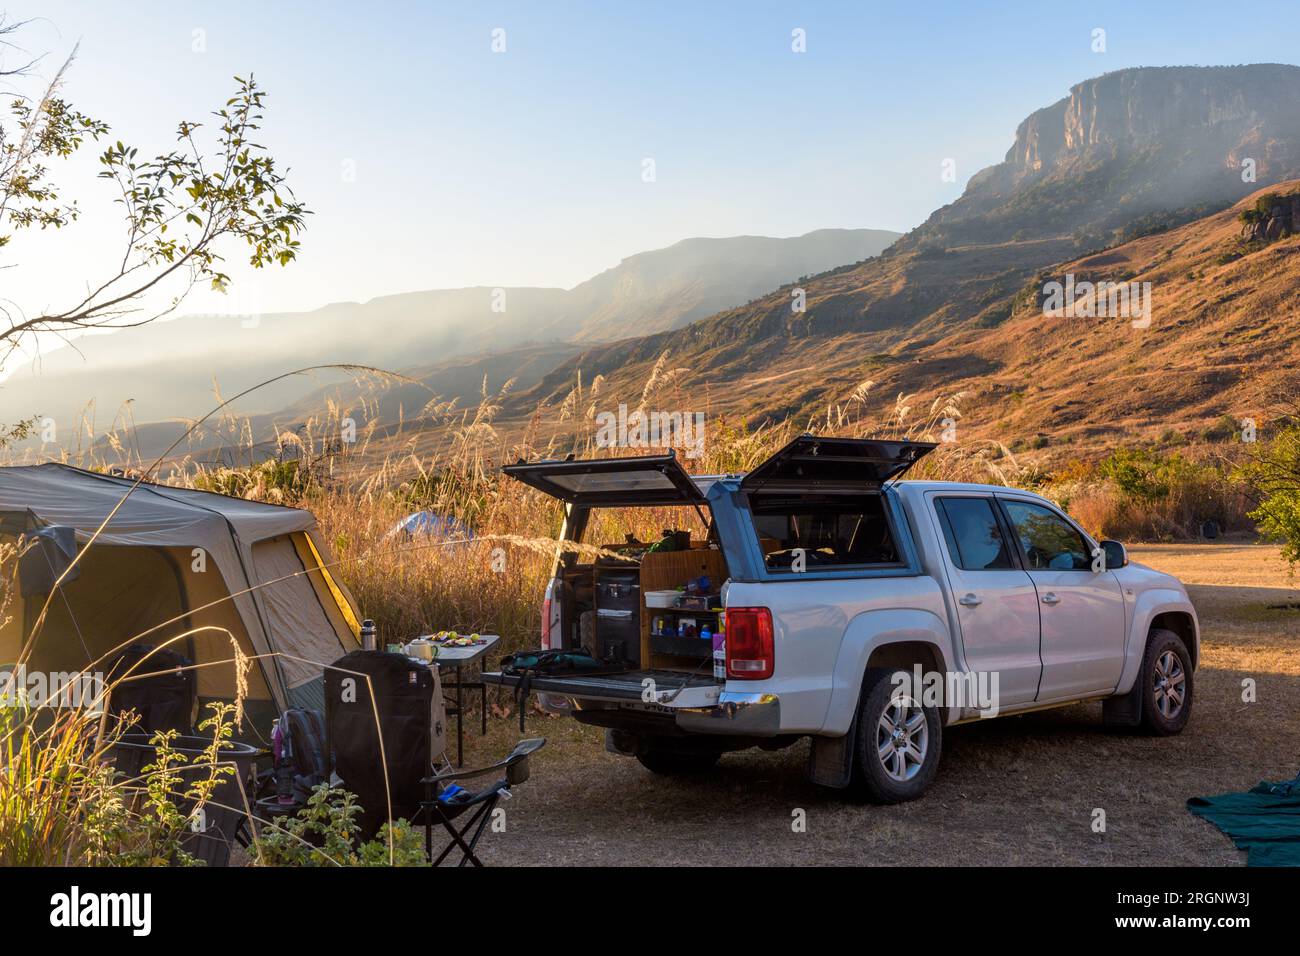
[611,482]
[809,462]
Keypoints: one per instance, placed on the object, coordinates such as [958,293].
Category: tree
[1273,470]
[181,210]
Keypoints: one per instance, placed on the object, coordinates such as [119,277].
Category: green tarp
[1265,821]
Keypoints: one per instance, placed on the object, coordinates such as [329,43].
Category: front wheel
[1166,684]
[898,741]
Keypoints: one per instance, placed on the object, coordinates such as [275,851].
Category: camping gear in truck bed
[618,615]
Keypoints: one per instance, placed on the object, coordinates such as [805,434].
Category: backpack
[307,743]
[541,662]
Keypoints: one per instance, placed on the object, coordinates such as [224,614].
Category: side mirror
[1116,554]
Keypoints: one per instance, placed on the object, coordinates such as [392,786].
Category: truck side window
[1050,542]
[975,541]
[809,532]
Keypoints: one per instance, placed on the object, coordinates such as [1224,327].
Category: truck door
[997,605]
[1082,612]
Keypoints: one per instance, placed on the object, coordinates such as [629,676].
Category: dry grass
[359,487]
[1020,790]
[1014,791]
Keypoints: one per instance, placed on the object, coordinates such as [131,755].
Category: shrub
[1224,429]
[1262,209]
[324,833]
[61,803]
[1139,494]
[1274,472]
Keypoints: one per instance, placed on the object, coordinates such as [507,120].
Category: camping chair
[446,800]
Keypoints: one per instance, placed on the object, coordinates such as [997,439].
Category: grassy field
[1016,791]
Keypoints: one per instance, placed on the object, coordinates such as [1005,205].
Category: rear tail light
[546,623]
[750,648]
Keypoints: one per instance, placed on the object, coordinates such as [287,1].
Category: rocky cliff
[1271,218]
[1126,144]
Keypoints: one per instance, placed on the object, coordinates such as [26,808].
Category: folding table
[459,658]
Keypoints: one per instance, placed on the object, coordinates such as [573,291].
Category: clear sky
[431,161]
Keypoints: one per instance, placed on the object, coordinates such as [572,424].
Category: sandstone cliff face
[1130,143]
[1132,109]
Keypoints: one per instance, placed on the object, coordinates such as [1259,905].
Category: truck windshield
[802,532]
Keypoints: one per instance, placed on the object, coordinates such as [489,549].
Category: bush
[1139,494]
[62,805]
[1259,212]
[1274,472]
[1225,429]
[324,833]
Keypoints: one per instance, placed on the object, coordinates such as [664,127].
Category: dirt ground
[1018,790]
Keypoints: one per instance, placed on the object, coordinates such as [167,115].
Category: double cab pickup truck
[860,610]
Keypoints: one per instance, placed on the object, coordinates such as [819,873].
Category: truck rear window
[807,533]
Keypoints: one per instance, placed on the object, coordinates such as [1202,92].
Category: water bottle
[367,635]
[282,751]
[277,740]
[720,654]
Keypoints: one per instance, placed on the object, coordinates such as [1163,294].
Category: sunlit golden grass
[360,483]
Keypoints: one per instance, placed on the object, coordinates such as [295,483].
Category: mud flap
[830,760]
[1125,710]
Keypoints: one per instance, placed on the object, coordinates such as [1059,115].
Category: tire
[1166,678]
[668,761]
[906,770]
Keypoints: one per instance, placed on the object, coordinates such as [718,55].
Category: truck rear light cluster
[751,650]
[546,623]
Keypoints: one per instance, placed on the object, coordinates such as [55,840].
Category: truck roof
[705,482]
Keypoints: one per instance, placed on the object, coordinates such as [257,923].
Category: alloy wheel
[902,738]
[1170,685]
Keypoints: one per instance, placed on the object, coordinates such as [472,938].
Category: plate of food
[453,639]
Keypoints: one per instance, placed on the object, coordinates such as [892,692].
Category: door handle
[1051,598]
[969,600]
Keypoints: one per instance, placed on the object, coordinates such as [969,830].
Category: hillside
[1131,152]
[671,288]
[168,368]
[1133,176]
[1222,342]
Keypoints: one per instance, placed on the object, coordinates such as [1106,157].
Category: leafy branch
[180,209]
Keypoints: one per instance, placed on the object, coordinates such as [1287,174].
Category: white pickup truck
[859,610]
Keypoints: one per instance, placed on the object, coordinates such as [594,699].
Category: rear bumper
[756,715]
[697,705]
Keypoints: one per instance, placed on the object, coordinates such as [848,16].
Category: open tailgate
[606,482]
[673,688]
[809,462]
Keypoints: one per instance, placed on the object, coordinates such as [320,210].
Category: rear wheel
[663,758]
[1166,684]
[898,741]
